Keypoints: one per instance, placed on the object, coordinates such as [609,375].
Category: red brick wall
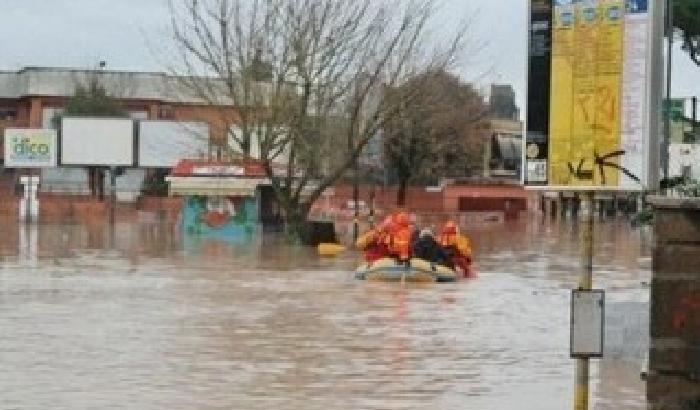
[490,198]
[167,208]
[674,356]
[9,207]
[416,198]
[56,208]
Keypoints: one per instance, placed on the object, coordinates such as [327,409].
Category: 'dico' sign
[30,148]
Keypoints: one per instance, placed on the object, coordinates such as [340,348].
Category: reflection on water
[138,318]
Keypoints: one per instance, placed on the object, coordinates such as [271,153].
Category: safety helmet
[425,233]
[402,220]
[386,224]
[450,228]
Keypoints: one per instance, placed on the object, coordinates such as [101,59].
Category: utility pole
[355,187]
[695,119]
[581,389]
[112,193]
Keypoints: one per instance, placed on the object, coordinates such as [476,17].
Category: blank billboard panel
[163,143]
[97,141]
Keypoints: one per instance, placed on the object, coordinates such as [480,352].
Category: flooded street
[141,318]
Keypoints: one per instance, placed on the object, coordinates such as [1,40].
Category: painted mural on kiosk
[220,216]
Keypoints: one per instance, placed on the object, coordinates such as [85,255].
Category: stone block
[677,258]
[670,359]
[677,225]
[675,307]
[668,392]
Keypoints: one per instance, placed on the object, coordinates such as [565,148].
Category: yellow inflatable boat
[419,270]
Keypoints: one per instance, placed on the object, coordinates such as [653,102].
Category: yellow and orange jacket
[367,239]
[401,243]
[460,242]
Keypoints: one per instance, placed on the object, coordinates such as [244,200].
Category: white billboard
[30,148]
[163,143]
[97,141]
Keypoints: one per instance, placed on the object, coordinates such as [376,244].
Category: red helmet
[386,224]
[450,228]
[402,220]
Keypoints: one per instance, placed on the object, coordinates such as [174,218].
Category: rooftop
[61,82]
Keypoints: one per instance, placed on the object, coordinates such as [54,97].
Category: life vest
[453,242]
[400,245]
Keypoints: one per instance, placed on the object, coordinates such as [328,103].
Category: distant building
[502,103]
[503,151]
[34,96]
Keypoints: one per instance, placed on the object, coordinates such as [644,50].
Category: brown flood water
[142,319]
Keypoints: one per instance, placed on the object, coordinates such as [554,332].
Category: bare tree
[306,78]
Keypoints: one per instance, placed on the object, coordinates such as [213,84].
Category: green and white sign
[30,148]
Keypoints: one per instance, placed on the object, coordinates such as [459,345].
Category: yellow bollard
[330,249]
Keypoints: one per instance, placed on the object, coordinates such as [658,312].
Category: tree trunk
[401,193]
[296,222]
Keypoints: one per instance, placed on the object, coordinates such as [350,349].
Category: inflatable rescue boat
[419,270]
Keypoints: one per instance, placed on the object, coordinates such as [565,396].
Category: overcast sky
[125,33]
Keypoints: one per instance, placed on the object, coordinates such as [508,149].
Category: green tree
[93,100]
[686,20]
[440,131]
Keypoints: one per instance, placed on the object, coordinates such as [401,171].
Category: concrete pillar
[153,112]
[36,114]
[673,381]
[487,156]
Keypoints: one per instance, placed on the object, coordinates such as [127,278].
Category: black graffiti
[601,162]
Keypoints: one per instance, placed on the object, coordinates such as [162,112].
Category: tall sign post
[595,81]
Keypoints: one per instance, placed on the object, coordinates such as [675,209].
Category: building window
[687,172]
[8,114]
[166,112]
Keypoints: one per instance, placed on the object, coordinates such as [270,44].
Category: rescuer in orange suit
[400,247]
[376,242]
[457,247]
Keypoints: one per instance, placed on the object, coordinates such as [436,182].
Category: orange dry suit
[457,247]
[400,246]
[375,242]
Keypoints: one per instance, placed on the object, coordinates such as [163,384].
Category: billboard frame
[134,145]
[652,116]
[137,139]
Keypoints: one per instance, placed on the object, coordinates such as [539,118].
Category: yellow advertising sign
[587,63]
[562,93]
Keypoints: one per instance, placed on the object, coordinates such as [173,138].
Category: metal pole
[112,193]
[27,200]
[695,118]
[669,67]
[585,283]
[372,196]
[355,199]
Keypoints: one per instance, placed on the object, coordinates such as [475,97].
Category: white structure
[684,160]
[29,204]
